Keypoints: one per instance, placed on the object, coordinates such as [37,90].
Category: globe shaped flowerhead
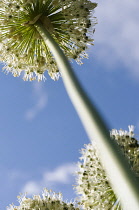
[23,49]
[48,201]
[93,184]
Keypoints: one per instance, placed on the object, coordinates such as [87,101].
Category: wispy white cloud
[40,101]
[32,187]
[61,175]
[117,33]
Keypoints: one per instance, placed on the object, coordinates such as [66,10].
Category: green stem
[121,177]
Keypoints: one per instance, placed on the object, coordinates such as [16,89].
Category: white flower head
[22,48]
[48,201]
[92,182]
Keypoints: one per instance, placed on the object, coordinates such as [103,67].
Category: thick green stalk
[121,177]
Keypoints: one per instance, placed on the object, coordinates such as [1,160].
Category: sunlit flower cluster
[129,146]
[22,49]
[92,182]
[48,201]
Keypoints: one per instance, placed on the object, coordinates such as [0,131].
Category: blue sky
[40,132]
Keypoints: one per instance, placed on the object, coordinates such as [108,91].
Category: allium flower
[92,182]
[22,49]
[48,201]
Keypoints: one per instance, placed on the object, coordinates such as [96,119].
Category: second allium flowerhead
[22,48]
[93,185]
